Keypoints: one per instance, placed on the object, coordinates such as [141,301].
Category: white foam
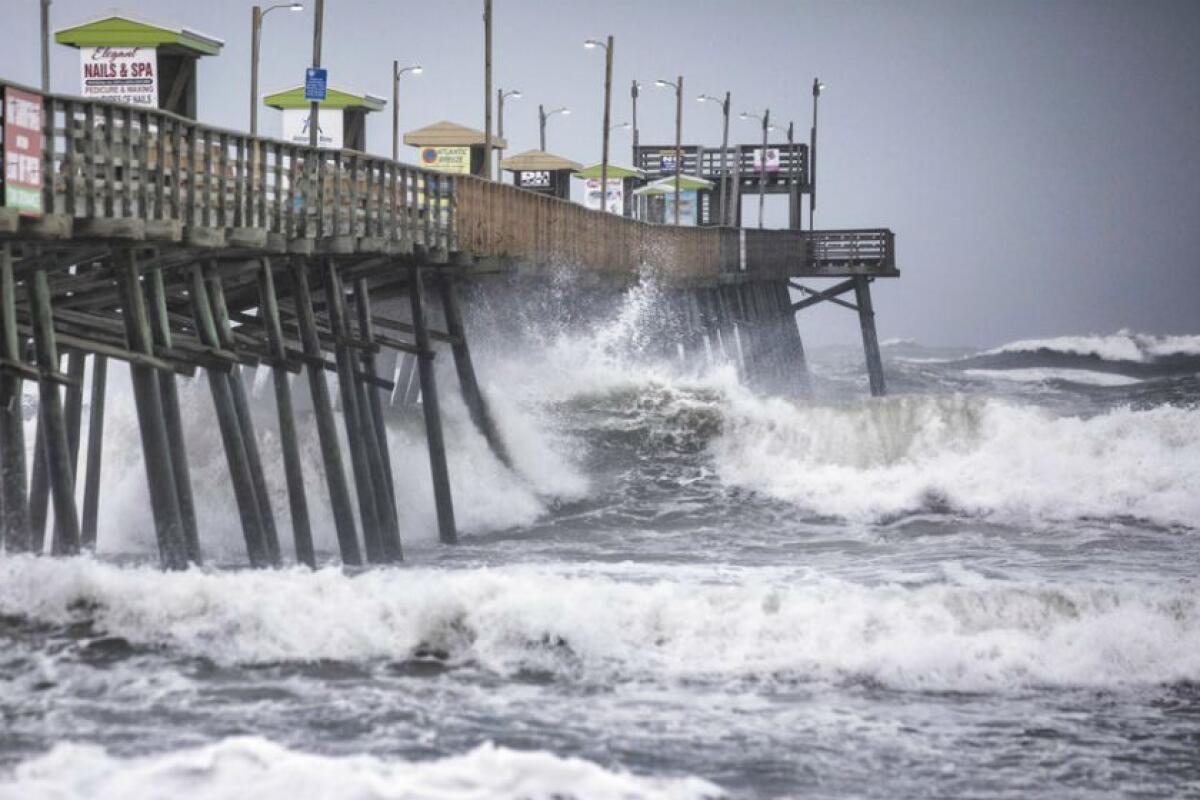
[986,457]
[1121,346]
[615,623]
[254,767]
[1044,374]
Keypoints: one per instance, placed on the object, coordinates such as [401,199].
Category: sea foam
[255,767]
[1121,346]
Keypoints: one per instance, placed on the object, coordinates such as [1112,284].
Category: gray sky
[1037,160]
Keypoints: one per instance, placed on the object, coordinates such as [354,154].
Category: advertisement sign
[687,207]
[329,127]
[666,162]
[23,118]
[534,179]
[447,159]
[119,74]
[616,195]
[316,82]
[772,159]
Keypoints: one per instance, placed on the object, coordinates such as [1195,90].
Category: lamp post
[45,45]
[721,210]
[544,115]
[515,94]
[634,89]
[397,71]
[812,155]
[256,20]
[794,220]
[762,158]
[678,87]
[314,118]
[608,59]
[487,89]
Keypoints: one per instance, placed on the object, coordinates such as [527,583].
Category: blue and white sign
[315,83]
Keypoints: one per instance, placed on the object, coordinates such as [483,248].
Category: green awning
[666,185]
[122,30]
[614,171]
[334,98]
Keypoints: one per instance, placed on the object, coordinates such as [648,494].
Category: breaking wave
[605,624]
[1122,346]
[254,767]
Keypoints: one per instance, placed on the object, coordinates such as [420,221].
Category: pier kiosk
[342,117]
[657,200]
[622,181]
[126,59]
[450,147]
[539,171]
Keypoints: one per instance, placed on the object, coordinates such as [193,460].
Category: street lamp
[256,20]
[397,71]
[818,87]
[678,87]
[544,115]
[592,44]
[762,158]
[708,98]
[515,94]
[634,90]
[624,125]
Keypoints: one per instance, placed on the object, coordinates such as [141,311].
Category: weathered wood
[58,450]
[866,321]
[14,524]
[443,500]
[91,483]
[331,455]
[292,466]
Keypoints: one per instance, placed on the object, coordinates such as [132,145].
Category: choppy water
[984,585]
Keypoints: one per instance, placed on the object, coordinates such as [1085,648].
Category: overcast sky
[1036,158]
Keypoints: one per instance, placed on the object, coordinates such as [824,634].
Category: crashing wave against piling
[605,624]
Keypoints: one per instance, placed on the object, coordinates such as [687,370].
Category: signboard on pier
[24,118]
[447,159]
[120,74]
[772,164]
[329,131]
[616,195]
[534,179]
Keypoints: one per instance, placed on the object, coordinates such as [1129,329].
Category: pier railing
[118,171]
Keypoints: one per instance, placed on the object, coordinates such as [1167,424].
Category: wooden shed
[342,116]
[450,147]
[543,172]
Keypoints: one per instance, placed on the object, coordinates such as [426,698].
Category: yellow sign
[447,159]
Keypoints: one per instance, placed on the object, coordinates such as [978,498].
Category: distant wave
[1122,346]
[625,622]
[965,454]
[249,766]
[1086,377]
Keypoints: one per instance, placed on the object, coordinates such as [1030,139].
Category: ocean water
[983,585]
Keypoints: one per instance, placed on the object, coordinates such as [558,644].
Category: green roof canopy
[666,185]
[334,98]
[614,171]
[123,30]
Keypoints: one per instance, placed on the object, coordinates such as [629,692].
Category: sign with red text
[120,74]
[23,123]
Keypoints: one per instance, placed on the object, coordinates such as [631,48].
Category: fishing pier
[139,235]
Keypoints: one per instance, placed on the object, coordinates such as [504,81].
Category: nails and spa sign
[120,74]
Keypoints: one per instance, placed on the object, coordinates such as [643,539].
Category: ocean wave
[1122,346]
[983,457]
[1084,377]
[250,766]
[606,624]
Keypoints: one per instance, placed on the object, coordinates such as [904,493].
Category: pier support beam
[468,383]
[335,475]
[164,499]
[292,467]
[91,481]
[14,524]
[447,530]
[866,320]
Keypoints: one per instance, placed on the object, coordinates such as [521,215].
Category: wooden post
[360,462]
[73,415]
[371,393]
[171,417]
[866,321]
[487,91]
[472,396]
[91,481]
[227,423]
[39,481]
[14,525]
[237,388]
[292,467]
[447,531]
[335,476]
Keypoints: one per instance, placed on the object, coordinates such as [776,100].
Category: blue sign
[315,83]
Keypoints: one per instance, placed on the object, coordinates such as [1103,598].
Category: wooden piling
[58,449]
[866,321]
[447,531]
[229,426]
[169,392]
[14,525]
[91,481]
[467,382]
[335,475]
[292,466]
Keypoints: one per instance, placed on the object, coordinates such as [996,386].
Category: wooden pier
[175,247]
